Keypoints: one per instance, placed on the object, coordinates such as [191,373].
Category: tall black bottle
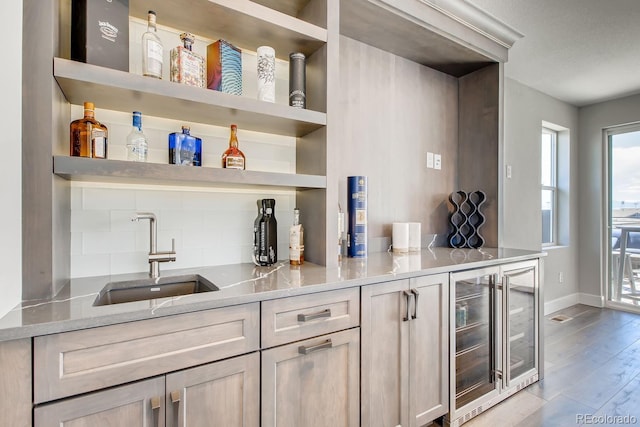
[267,250]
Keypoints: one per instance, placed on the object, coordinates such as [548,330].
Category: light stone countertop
[73,307]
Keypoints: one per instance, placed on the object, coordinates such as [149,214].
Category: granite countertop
[73,307]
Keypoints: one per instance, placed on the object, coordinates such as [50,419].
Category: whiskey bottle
[88,136]
[233,158]
[137,146]
[152,49]
[296,240]
[188,67]
[184,148]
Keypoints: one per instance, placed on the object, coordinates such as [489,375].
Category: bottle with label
[296,240]
[137,146]
[233,158]
[267,234]
[88,136]
[152,49]
[185,149]
[188,67]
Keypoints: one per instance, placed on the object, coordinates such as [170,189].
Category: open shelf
[119,171]
[243,23]
[122,91]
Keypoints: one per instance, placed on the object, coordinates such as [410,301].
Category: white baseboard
[560,303]
[573,299]
[590,299]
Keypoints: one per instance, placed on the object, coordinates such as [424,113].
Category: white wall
[10,172]
[525,110]
[593,119]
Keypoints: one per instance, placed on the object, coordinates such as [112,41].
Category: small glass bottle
[152,49]
[137,146]
[188,67]
[296,240]
[184,148]
[233,158]
[88,137]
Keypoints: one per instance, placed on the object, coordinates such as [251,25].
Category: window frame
[553,188]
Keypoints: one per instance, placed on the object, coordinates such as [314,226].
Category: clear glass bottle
[296,240]
[188,67]
[88,137]
[137,146]
[152,49]
[184,148]
[233,158]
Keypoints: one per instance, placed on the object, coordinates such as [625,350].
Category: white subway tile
[121,221]
[90,220]
[108,242]
[90,265]
[76,243]
[150,200]
[131,262]
[76,198]
[108,198]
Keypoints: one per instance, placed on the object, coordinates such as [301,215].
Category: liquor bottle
[296,240]
[188,67]
[268,234]
[88,136]
[233,158]
[256,233]
[152,49]
[137,146]
[185,149]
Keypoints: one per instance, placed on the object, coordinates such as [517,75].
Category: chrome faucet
[155,257]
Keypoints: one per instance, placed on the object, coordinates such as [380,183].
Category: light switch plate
[508,171]
[437,161]
[429,160]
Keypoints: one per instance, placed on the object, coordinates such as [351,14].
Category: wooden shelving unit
[119,171]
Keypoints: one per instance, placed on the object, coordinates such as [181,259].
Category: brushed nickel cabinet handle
[416,294]
[310,349]
[407,295]
[175,396]
[314,316]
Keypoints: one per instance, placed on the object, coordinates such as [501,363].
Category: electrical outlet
[437,161]
[560,277]
[429,160]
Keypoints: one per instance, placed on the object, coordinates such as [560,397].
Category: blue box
[357,209]
[224,67]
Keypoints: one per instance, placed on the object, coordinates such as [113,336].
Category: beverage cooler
[495,328]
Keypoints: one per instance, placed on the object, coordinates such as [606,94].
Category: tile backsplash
[210,226]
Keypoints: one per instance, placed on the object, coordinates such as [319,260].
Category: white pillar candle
[415,236]
[400,237]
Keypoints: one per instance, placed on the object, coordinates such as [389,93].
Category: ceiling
[578,51]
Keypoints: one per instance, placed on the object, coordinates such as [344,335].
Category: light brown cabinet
[405,351]
[225,391]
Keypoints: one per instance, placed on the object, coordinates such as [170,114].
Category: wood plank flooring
[592,375]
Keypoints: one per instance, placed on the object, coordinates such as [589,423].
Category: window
[549,168]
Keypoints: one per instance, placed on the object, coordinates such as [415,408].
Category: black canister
[297,80]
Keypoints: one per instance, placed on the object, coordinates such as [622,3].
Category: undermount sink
[147,289]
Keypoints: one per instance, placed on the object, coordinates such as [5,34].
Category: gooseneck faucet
[155,257]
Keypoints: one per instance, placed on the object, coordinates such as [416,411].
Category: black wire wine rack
[466,219]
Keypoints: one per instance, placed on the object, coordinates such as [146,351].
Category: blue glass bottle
[185,149]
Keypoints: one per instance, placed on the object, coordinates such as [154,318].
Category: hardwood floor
[592,375]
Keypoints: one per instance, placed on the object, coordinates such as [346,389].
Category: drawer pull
[306,350]
[416,294]
[175,396]
[155,403]
[314,316]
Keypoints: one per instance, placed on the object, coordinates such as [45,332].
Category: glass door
[474,320]
[520,293]
[623,219]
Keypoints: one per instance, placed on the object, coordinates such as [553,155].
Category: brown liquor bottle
[88,136]
[233,158]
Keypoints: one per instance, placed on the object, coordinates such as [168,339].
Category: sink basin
[147,289]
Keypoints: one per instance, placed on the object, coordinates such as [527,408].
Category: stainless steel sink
[147,289]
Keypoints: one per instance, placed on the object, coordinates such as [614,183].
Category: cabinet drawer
[76,362]
[291,319]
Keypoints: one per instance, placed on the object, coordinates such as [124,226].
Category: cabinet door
[223,393]
[429,352]
[137,404]
[385,354]
[312,383]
